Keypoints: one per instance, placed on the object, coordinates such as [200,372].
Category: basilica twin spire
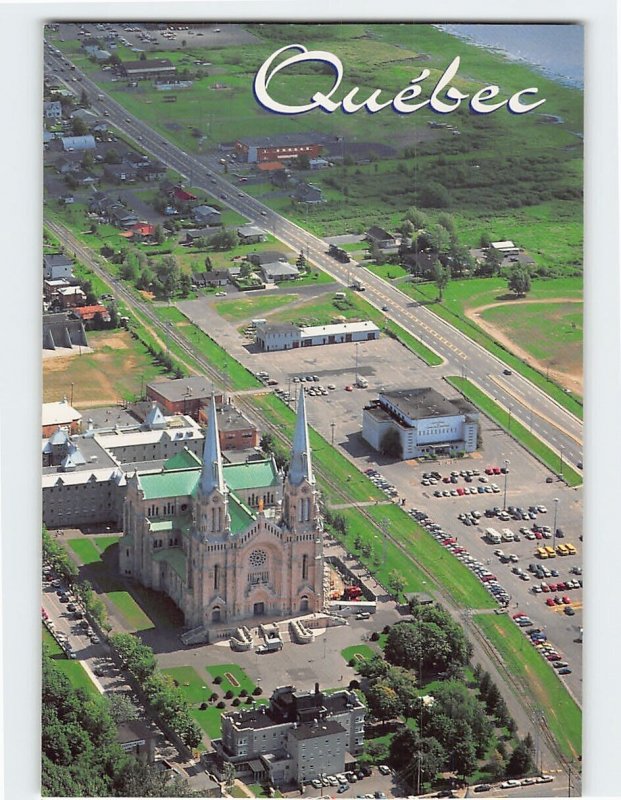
[300,468]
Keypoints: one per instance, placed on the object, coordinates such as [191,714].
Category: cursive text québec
[444,97]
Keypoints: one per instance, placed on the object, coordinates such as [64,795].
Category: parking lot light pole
[561,461]
[556,502]
[504,503]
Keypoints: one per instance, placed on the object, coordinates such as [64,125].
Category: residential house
[71,143]
[92,314]
[71,296]
[217,277]
[251,234]
[195,235]
[419,263]
[57,265]
[52,286]
[141,232]
[381,238]
[120,173]
[266,257]
[67,166]
[308,193]
[206,215]
[153,171]
[52,111]
[278,271]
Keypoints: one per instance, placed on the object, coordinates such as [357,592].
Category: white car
[341,778]
[510,784]
[220,294]
[384,769]
[316,783]
[332,781]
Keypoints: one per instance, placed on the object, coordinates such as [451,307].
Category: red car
[460,491]
[519,614]
[496,470]
[545,589]
[538,535]
[565,599]
[489,470]
[562,586]
[550,601]
[553,587]
[553,657]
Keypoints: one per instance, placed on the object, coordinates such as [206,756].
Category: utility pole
[561,458]
[556,502]
[356,363]
[507,462]
[333,426]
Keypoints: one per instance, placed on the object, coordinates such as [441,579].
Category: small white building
[425,422]
[288,336]
[506,248]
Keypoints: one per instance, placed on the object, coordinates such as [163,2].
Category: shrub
[351,662]
[354,684]
[237,701]
[213,697]
[218,679]
[203,706]
[243,693]
[386,629]
[229,694]
[257,691]
[249,701]
[374,636]
[221,704]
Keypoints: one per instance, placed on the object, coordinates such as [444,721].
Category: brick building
[259,149]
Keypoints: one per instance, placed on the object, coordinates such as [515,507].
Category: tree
[521,761]
[223,240]
[302,162]
[377,255]
[406,229]
[491,263]
[246,269]
[112,156]
[497,765]
[120,707]
[439,239]
[84,101]
[390,444]
[447,222]
[383,701]
[301,261]
[87,160]
[417,218]
[159,234]
[460,259]
[228,775]
[396,582]
[440,276]
[485,241]
[208,264]
[78,127]
[185,284]
[434,195]
[519,280]
[143,56]
[464,755]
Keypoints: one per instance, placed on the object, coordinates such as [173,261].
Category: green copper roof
[162,525]
[176,483]
[183,460]
[173,556]
[241,517]
[251,475]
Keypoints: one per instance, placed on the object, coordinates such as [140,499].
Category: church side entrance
[258,609]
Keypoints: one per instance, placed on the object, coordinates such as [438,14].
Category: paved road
[532,407]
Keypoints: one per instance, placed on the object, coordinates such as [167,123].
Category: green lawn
[74,671]
[129,608]
[190,683]
[358,651]
[238,674]
[102,543]
[387,271]
[85,550]
[521,434]
[540,682]
[460,295]
[209,720]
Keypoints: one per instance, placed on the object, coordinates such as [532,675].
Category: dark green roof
[241,516]
[183,460]
[251,475]
[173,556]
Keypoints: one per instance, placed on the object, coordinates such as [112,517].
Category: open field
[85,550]
[246,308]
[562,715]
[515,429]
[117,370]
[130,610]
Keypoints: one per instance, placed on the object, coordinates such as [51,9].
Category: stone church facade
[228,543]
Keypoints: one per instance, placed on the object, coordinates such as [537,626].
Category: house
[153,171]
[194,236]
[183,396]
[66,166]
[51,287]
[179,193]
[278,271]
[206,215]
[147,69]
[57,265]
[90,314]
[136,738]
[120,173]
[71,143]
[251,234]
[381,238]
[506,248]
[266,257]
[199,280]
[141,232]
[286,336]
[285,146]
[216,277]
[307,193]
[53,110]
[71,296]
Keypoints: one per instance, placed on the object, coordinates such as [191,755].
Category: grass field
[117,370]
[237,673]
[209,720]
[85,550]
[463,295]
[562,715]
[521,434]
[358,651]
[73,670]
[190,683]
[246,308]
[130,610]
[102,543]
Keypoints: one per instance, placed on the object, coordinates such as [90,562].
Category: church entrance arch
[258,609]
[304,604]
[216,614]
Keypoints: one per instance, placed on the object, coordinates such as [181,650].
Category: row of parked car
[539,639]
[380,481]
[514,783]
[487,578]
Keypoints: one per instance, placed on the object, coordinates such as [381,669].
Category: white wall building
[426,422]
[289,336]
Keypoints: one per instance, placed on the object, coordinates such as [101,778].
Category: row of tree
[165,698]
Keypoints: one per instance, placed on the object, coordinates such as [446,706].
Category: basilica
[229,543]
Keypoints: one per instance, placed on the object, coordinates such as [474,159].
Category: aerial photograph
[312,412]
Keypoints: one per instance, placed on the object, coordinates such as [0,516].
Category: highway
[557,427]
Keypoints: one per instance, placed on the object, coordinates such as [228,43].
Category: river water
[557,51]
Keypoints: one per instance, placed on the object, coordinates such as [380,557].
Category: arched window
[304,567]
[216,577]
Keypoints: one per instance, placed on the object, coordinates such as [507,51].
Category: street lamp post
[504,504]
[333,426]
[561,460]
[556,502]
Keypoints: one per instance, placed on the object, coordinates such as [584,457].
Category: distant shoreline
[547,72]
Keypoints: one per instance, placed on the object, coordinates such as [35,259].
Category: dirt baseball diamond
[567,368]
